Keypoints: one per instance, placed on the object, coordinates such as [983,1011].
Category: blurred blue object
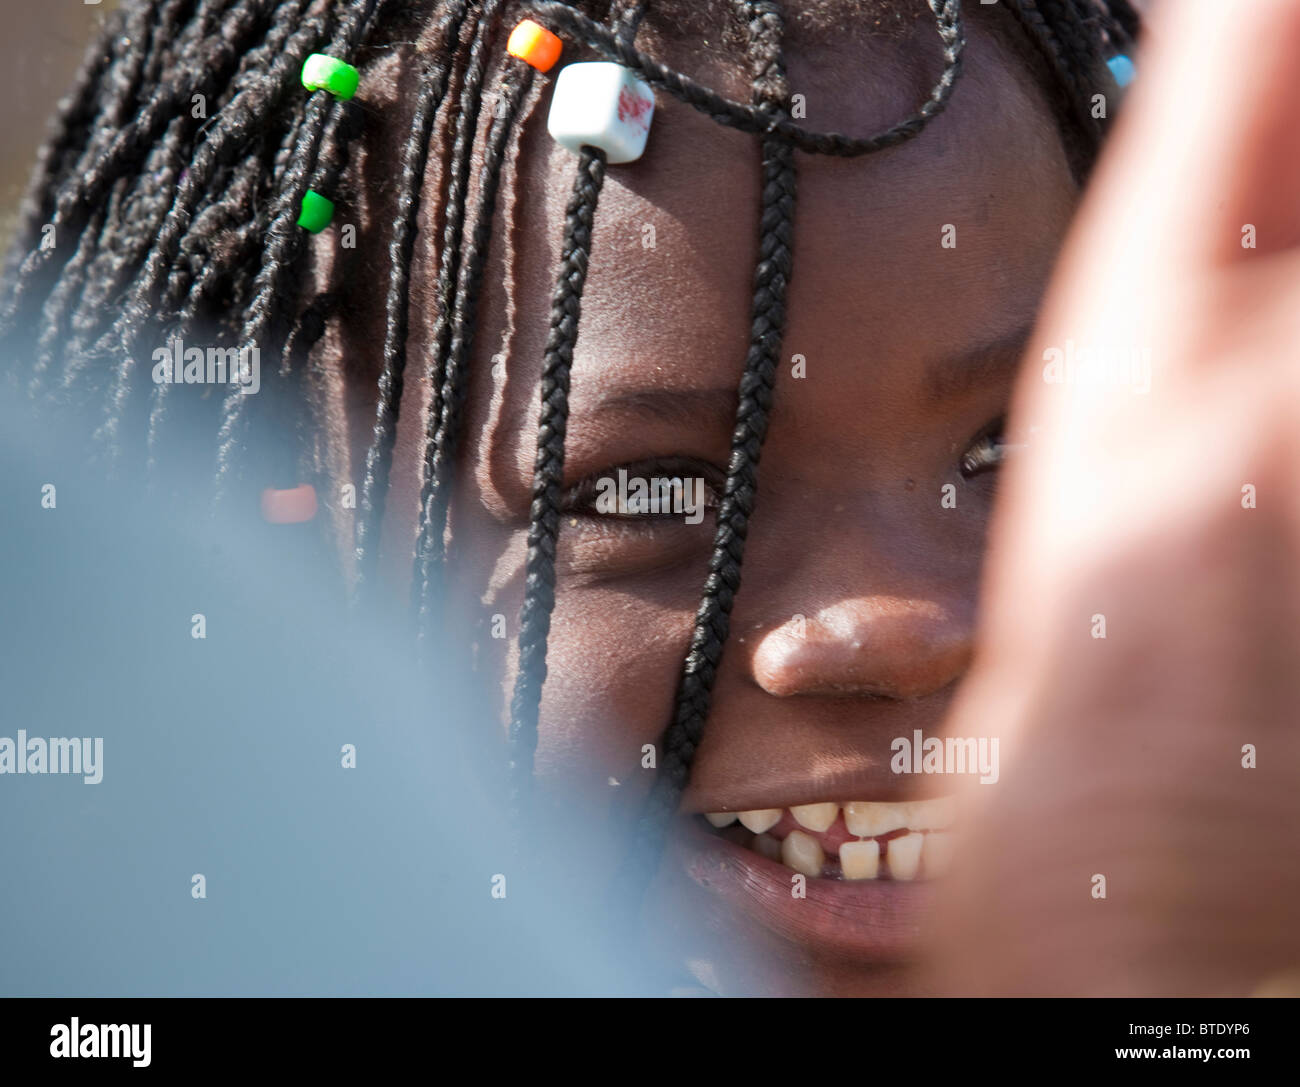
[223,756]
[1122,69]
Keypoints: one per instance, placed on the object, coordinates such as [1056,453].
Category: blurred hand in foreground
[1140,638]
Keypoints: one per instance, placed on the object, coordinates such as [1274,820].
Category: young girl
[425,273]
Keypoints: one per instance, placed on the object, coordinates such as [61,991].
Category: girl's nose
[884,647]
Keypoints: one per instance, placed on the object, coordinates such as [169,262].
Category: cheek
[613,665]
[613,659]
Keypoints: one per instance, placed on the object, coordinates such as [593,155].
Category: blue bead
[1122,69]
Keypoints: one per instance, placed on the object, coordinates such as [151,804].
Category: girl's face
[916,276]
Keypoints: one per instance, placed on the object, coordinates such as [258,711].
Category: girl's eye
[986,452]
[675,488]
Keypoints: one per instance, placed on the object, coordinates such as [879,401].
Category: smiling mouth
[850,841]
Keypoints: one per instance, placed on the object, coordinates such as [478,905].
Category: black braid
[455,185]
[1123,21]
[401,249]
[93,300]
[342,128]
[238,246]
[428,548]
[162,169]
[308,330]
[224,233]
[750,118]
[179,216]
[200,177]
[87,188]
[166,33]
[455,373]
[265,320]
[132,232]
[55,309]
[131,141]
[767,327]
[123,77]
[625,17]
[1068,36]
[539,590]
[552,425]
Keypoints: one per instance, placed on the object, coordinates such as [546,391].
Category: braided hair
[166,202]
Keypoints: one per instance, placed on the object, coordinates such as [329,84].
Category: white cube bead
[604,105]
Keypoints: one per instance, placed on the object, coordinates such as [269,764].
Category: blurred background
[44,46]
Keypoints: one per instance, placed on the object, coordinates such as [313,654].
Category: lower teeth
[906,860]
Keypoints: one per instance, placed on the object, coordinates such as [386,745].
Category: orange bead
[289,507]
[531,42]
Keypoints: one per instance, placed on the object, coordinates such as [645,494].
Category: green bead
[317,212]
[335,76]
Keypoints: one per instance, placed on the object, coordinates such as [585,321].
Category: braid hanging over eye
[548,492]
[767,328]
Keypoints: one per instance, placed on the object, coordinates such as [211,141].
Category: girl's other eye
[676,488]
[986,451]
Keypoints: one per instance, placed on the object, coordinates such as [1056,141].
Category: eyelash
[986,452]
[580,498]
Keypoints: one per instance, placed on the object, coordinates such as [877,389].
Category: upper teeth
[815,816]
[760,819]
[928,853]
[864,819]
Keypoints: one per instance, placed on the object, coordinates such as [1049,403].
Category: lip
[869,780]
[867,920]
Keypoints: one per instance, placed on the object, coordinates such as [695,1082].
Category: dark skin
[911,350]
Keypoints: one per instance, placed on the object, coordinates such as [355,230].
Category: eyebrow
[714,408]
[991,362]
[947,377]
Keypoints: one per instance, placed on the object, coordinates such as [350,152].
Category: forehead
[872,289]
[676,238]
